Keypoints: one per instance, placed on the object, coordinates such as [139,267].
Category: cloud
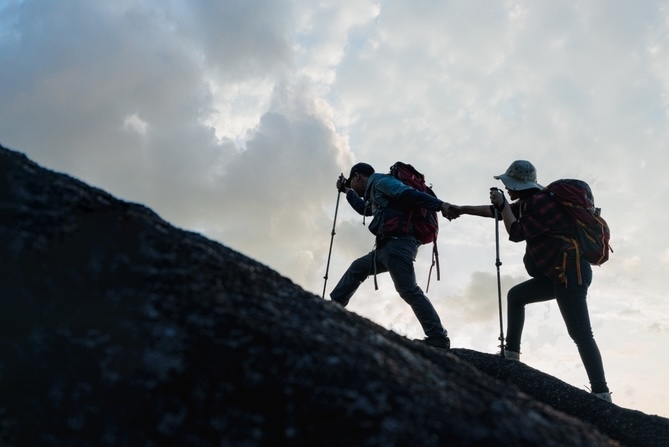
[479,302]
[664,258]
[659,328]
[481,298]
[238,39]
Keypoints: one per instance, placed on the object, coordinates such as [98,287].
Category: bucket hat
[521,175]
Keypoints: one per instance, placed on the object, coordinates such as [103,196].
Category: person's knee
[358,272]
[580,334]
[406,287]
[413,296]
[358,265]
[514,297]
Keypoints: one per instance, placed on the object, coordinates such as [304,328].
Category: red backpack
[592,231]
[425,222]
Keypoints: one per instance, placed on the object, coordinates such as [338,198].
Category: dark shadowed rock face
[120,330]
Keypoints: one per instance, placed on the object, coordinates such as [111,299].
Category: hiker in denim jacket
[557,273]
[383,196]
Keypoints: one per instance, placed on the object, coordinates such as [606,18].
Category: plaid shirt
[540,219]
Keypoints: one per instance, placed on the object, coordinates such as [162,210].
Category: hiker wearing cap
[556,270]
[384,196]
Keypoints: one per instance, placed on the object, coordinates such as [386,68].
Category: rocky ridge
[120,329]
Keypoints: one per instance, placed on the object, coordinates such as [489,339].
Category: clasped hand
[449,211]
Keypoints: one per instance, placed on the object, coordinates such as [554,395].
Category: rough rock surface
[119,329]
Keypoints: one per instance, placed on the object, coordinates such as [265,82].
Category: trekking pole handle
[495,189]
[341,183]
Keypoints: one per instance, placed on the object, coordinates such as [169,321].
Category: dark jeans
[574,309]
[395,256]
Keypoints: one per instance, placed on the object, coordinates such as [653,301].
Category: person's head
[520,179]
[357,179]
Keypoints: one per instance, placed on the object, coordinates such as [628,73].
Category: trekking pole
[499,283]
[332,235]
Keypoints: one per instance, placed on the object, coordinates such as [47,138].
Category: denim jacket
[387,197]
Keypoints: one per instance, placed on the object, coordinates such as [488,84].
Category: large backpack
[424,222]
[592,233]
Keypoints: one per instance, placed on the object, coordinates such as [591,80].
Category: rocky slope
[119,329]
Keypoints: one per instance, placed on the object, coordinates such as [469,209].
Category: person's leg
[572,301]
[398,256]
[533,290]
[359,270]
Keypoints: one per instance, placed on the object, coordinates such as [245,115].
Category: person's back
[540,223]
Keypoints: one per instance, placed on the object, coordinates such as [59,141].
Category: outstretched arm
[448,211]
[431,202]
[497,201]
[474,210]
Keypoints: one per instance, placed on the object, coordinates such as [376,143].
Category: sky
[235,118]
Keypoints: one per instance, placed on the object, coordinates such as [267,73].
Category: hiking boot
[436,342]
[604,396]
[511,355]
